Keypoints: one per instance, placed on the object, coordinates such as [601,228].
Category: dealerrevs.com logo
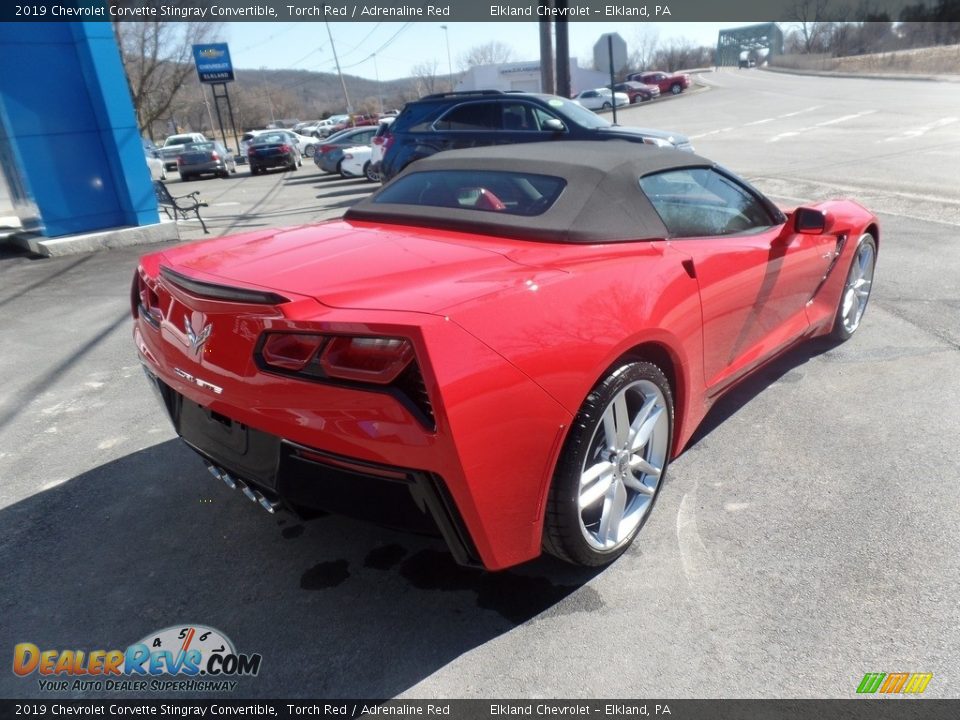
[175,659]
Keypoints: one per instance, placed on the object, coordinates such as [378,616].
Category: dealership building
[525,76]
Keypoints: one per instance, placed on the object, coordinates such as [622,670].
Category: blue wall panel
[66,108]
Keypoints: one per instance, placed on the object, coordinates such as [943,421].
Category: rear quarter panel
[568,331]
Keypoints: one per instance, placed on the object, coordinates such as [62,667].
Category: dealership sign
[213,63]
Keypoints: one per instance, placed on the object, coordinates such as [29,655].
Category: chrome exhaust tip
[233,483]
[267,504]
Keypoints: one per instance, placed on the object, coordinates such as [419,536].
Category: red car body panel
[510,336]
[663,80]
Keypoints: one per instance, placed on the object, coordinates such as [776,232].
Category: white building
[525,76]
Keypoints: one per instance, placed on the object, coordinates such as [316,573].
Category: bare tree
[681,54]
[813,31]
[158,58]
[425,74]
[645,45]
[492,53]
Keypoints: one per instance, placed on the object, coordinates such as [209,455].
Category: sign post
[215,68]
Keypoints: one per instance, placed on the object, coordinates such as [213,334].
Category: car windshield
[511,193]
[578,114]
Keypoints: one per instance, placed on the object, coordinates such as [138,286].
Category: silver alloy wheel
[625,461]
[856,293]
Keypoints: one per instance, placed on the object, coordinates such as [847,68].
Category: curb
[89,242]
[862,76]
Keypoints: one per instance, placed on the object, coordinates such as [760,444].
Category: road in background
[807,536]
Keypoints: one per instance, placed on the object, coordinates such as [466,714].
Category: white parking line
[757,122]
[922,130]
[843,118]
[825,123]
[800,112]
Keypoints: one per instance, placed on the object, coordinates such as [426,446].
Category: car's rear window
[511,193]
[270,139]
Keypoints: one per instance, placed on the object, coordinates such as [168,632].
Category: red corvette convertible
[505,344]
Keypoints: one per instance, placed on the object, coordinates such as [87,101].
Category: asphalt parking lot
[807,535]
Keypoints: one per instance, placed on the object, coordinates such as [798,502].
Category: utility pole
[377,73]
[343,84]
[546,51]
[563,51]
[446,33]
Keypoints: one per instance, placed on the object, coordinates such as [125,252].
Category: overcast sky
[400,46]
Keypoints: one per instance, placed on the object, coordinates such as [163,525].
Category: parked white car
[356,162]
[307,145]
[378,148]
[601,99]
[174,144]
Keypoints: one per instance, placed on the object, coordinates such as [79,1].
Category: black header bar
[627,11]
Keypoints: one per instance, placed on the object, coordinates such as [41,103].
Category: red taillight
[387,142]
[251,151]
[326,148]
[378,360]
[366,359]
[146,300]
[285,148]
[290,351]
[214,156]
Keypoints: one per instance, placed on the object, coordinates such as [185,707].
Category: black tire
[864,254]
[309,150]
[605,106]
[676,88]
[567,525]
[224,174]
[369,174]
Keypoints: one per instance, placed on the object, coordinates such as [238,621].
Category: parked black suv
[448,121]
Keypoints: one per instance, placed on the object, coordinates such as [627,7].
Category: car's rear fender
[496,431]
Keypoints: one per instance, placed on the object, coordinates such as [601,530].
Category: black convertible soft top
[602,200]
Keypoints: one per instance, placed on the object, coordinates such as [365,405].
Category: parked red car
[674,83]
[357,120]
[505,344]
[637,91]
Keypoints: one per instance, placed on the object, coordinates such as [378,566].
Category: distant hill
[309,95]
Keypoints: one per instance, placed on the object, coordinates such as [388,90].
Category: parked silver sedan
[205,158]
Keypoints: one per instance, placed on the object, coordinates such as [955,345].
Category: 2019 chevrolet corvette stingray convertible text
[504,344]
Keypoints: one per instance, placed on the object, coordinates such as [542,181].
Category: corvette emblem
[196,339]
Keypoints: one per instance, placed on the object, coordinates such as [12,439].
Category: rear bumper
[271,161]
[211,167]
[479,474]
[276,472]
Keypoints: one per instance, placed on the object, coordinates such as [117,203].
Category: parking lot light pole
[446,34]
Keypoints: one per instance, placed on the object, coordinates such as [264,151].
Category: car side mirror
[155,153]
[809,221]
[553,125]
